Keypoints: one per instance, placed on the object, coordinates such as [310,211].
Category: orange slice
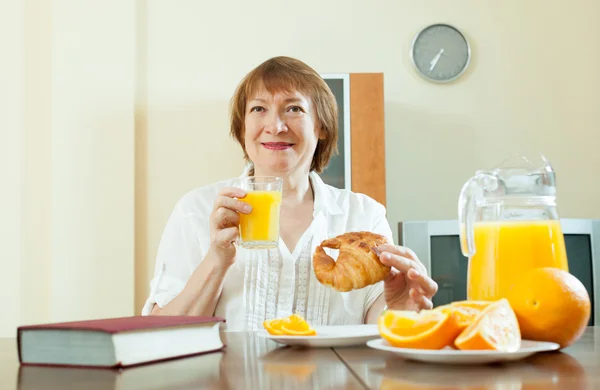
[297,326]
[427,329]
[472,305]
[495,328]
[463,312]
[274,326]
[293,325]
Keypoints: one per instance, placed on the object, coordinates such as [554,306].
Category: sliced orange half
[427,329]
[495,328]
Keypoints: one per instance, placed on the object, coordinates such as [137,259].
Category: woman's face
[281,131]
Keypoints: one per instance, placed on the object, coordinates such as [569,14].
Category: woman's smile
[277,145]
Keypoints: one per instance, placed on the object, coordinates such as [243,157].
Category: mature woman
[285,118]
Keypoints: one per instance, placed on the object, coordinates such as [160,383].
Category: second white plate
[329,336]
[453,356]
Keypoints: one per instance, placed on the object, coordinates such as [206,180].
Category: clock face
[440,53]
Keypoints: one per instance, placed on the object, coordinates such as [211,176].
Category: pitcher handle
[466,214]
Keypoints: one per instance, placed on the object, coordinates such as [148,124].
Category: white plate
[453,356]
[329,336]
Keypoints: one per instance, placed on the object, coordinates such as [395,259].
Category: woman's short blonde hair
[289,74]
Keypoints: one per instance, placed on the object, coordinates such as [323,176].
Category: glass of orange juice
[260,228]
[509,224]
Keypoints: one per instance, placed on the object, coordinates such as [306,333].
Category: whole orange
[551,305]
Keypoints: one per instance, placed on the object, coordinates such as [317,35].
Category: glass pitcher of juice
[508,225]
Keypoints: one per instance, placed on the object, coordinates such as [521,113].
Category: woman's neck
[296,186]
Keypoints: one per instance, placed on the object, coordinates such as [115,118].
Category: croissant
[357,264]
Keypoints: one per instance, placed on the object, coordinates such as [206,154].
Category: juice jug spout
[522,176]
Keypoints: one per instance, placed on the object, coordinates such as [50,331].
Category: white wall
[36,173]
[110,111]
[67,168]
[533,85]
[11,104]
[93,90]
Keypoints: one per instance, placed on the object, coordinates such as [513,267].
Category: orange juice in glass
[509,224]
[505,249]
[260,228]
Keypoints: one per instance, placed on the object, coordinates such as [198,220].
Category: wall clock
[440,53]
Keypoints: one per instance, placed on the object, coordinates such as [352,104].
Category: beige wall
[68,204]
[11,85]
[67,169]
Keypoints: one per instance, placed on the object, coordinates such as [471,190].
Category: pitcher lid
[519,176]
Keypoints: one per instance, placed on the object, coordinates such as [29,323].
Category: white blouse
[268,283]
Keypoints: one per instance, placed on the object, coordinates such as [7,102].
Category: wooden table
[575,367]
[250,362]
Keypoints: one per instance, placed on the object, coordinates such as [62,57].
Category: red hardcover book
[118,342]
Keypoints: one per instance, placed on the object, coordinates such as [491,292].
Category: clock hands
[435,60]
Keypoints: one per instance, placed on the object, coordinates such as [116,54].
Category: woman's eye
[257,109]
[295,109]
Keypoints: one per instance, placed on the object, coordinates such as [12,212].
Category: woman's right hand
[224,224]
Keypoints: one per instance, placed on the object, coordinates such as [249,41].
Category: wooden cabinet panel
[360,164]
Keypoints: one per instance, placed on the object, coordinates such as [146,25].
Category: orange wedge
[427,329]
[274,326]
[297,326]
[495,328]
[475,305]
[463,312]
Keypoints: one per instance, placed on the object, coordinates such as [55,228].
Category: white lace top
[269,283]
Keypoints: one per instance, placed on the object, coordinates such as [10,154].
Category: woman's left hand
[407,287]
